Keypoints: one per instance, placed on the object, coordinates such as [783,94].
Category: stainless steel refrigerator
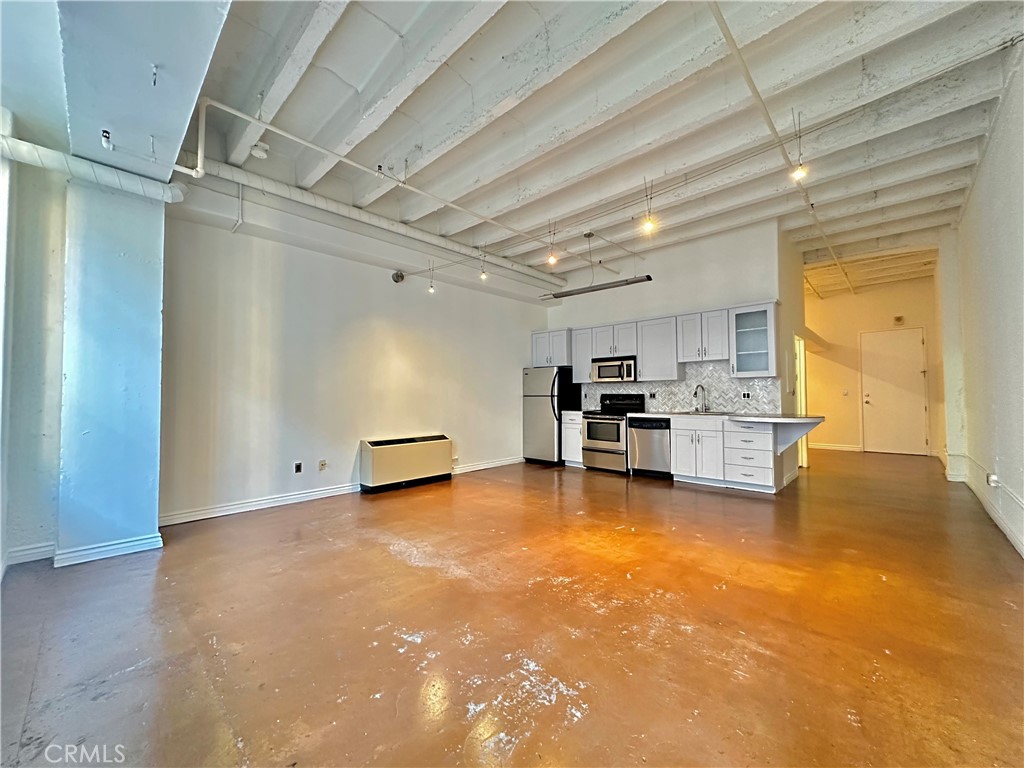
[546,393]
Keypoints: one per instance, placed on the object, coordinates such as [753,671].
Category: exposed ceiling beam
[965,87]
[664,56]
[526,62]
[281,73]
[713,109]
[347,128]
[882,215]
[893,227]
[902,242]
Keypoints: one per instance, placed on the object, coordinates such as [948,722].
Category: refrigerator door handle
[554,382]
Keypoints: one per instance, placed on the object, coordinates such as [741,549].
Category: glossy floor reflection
[870,614]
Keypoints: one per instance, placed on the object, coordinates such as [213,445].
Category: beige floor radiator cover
[399,462]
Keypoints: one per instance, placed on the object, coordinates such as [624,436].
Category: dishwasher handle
[647,423]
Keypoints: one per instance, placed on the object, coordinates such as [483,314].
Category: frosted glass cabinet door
[752,341]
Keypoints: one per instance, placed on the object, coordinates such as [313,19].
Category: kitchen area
[694,398]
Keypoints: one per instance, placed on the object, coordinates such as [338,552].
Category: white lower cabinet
[697,448]
[572,437]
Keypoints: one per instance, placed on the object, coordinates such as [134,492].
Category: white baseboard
[108,549]
[29,553]
[791,477]
[995,501]
[220,510]
[956,468]
[574,464]
[835,447]
[486,465]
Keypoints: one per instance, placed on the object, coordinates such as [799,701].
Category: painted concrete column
[948,287]
[110,396]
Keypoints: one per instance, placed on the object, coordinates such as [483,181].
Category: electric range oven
[604,432]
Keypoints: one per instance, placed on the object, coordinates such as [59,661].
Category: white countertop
[776,418]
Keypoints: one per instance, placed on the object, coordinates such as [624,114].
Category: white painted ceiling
[551,115]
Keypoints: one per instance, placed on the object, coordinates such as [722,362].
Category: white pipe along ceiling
[514,130]
[87,170]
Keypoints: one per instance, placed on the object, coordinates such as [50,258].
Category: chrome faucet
[703,398]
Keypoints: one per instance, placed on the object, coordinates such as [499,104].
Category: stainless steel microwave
[613,369]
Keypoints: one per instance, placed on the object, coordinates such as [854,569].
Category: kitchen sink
[706,413]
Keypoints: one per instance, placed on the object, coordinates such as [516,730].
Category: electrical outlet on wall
[746,395]
[298,467]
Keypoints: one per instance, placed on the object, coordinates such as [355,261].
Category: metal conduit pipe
[280,189]
[86,170]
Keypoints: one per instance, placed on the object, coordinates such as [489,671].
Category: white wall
[728,269]
[33,366]
[274,354]
[840,319]
[991,244]
[790,324]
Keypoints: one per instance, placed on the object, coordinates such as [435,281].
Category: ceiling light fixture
[483,272]
[800,172]
[601,287]
[649,224]
[430,289]
[552,256]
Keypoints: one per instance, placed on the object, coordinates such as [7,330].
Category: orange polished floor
[871,614]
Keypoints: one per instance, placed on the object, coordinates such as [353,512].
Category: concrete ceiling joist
[281,72]
[382,98]
[529,61]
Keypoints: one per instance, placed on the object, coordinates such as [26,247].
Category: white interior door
[894,391]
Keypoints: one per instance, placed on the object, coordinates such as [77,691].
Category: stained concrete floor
[870,615]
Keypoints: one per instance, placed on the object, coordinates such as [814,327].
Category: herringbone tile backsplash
[725,393]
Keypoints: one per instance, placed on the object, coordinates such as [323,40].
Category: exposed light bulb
[799,172]
[483,275]
[552,258]
[431,288]
[648,225]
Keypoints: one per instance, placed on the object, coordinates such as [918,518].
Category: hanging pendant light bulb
[430,289]
[552,256]
[483,272]
[648,225]
[800,172]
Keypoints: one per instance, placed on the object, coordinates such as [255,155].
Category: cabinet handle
[748,458]
[733,368]
[705,351]
[746,441]
[698,438]
[745,474]
[698,353]
[691,439]
[743,427]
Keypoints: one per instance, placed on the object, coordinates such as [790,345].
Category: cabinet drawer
[751,475]
[746,426]
[758,441]
[741,457]
[572,417]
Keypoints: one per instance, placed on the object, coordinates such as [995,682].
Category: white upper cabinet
[714,330]
[604,341]
[752,341]
[561,354]
[656,349]
[582,344]
[688,338]
[625,339]
[617,340]
[551,348]
[702,336]
[541,349]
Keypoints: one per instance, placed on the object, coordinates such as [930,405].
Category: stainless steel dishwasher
[648,448]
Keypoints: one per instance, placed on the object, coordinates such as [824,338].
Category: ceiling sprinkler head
[260,150]
[398,276]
